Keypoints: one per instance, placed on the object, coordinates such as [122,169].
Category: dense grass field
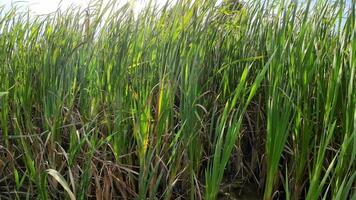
[190,100]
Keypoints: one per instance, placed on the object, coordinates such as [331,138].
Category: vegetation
[188,100]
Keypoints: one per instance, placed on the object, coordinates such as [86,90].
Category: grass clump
[187,100]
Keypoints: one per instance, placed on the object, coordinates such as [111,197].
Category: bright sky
[48,6]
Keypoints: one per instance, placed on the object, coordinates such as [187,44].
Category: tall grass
[186,100]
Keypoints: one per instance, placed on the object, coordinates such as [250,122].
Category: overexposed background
[47,6]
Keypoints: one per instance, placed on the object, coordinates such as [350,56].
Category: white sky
[48,6]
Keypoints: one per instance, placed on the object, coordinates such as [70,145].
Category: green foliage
[179,100]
